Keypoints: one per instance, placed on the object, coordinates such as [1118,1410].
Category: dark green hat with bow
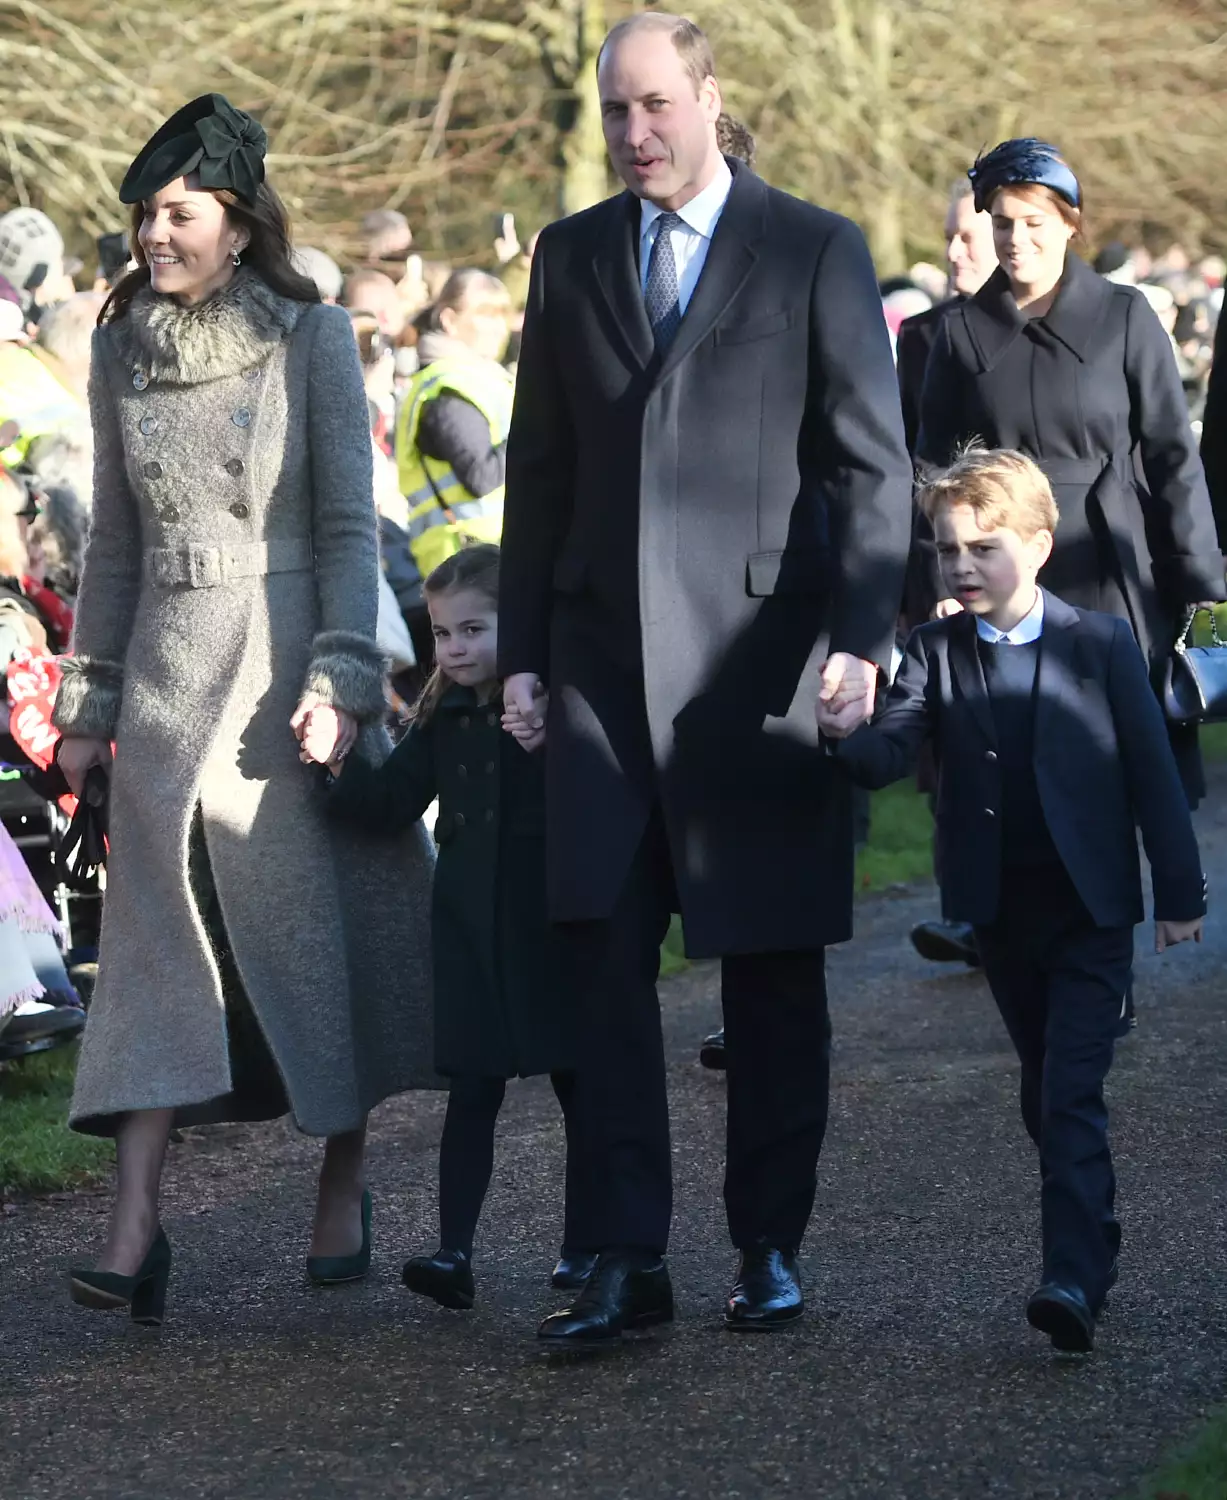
[224,147]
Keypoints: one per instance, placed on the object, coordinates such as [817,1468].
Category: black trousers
[778,1048]
[1060,984]
[466,1160]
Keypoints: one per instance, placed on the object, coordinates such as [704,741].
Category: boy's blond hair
[1005,489]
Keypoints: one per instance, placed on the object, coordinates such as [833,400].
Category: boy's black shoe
[946,942]
[1063,1313]
[711,1053]
[767,1293]
[627,1290]
[446,1277]
[573,1270]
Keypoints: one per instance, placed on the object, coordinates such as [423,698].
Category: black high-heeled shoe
[144,1293]
[337,1270]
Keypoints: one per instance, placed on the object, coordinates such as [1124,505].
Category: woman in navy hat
[1078,373]
[254,961]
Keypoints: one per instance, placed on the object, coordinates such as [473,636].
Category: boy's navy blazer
[1103,765]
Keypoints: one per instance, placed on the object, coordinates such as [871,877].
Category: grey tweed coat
[232,564]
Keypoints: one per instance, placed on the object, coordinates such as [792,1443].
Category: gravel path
[915,1375]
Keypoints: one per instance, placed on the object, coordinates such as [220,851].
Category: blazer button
[462,770]
[171,513]
[990,755]
[242,417]
[459,820]
[153,471]
[989,812]
[235,467]
[149,425]
[489,815]
[489,768]
[241,509]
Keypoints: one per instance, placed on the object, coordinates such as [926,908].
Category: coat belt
[203,567]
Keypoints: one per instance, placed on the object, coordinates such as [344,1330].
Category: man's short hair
[961,188]
[735,140]
[1005,489]
[387,234]
[362,282]
[689,41]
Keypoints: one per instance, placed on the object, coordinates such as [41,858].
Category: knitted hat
[31,247]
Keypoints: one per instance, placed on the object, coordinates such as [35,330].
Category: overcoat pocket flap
[750,329]
[806,573]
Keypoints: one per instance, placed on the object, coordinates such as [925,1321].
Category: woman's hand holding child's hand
[325,734]
[1168,934]
[526,725]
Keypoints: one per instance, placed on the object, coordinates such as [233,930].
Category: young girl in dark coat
[500,1008]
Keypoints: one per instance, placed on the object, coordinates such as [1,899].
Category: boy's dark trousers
[1060,984]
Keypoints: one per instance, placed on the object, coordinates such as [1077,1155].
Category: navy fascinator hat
[224,146]
[1022,161]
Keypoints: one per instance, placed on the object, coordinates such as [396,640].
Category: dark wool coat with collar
[231,563]
[1092,393]
[501,1008]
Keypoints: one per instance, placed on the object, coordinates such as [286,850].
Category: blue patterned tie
[660,296]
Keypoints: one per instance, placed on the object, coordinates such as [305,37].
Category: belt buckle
[204,567]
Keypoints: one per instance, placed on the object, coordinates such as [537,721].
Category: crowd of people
[645,541]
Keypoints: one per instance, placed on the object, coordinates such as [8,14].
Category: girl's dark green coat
[501,1008]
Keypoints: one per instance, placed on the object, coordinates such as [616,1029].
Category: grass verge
[1198,1472]
[38,1153]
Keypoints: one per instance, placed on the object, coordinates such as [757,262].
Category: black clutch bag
[83,849]
[1195,679]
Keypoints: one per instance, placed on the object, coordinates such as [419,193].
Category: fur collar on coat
[236,328]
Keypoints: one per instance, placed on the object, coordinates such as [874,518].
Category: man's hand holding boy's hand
[1168,934]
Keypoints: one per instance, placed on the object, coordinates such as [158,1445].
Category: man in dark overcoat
[707,523]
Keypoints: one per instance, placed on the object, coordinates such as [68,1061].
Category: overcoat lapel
[616,264]
[968,672]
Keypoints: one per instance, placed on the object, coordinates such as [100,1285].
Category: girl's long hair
[476,568]
[268,251]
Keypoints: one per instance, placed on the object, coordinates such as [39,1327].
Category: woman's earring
[236,259]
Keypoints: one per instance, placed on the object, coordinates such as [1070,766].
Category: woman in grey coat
[254,959]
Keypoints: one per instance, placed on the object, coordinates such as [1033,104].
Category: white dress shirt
[692,239]
[1028,629]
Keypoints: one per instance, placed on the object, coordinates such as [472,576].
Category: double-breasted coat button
[153,471]
[489,768]
[462,771]
[489,815]
[251,374]
[464,721]
[171,513]
[492,720]
[242,417]
[240,509]
[140,380]
[149,425]
[990,812]
[459,820]
[990,755]
[235,467]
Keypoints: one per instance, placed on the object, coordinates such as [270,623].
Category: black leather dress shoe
[946,942]
[625,1291]
[446,1277]
[573,1270]
[1063,1313]
[711,1053]
[767,1293]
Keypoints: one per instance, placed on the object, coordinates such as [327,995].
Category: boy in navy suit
[1052,751]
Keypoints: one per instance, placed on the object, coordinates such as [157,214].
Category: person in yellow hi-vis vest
[451,432]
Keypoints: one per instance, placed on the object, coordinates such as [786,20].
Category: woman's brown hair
[455,293]
[476,568]
[268,251]
[1046,197]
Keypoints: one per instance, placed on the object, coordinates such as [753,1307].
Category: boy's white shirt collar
[1028,629]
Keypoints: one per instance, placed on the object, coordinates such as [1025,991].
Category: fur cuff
[89,697]
[347,671]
